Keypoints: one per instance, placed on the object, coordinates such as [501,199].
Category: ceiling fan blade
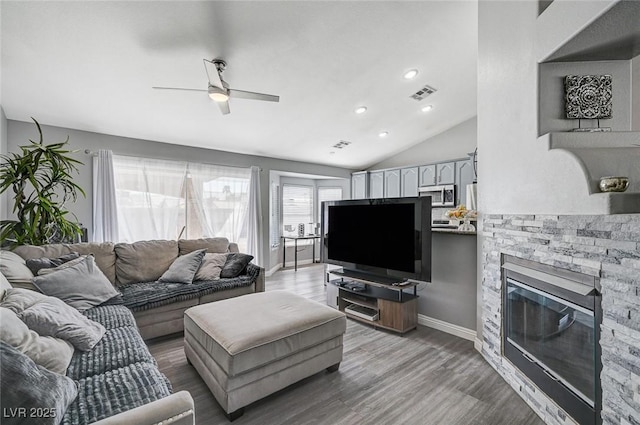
[241,94]
[176,88]
[224,107]
[212,73]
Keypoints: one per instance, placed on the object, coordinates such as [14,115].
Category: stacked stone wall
[607,246]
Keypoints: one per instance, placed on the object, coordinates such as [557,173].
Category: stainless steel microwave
[441,196]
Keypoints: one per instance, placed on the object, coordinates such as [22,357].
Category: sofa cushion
[116,391]
[103,252]
[236,263]
[119,347]
[82,285]
[111,316]
[248,332]
[50,316]
[184,268]
[14,268]
[29,386]
[51,353]
[211,267]
[144,261]
[35,264]
[212,245]
[148,295]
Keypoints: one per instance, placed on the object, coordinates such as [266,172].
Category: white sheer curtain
[220,198]
[105,209]
[254,218]
[150,196]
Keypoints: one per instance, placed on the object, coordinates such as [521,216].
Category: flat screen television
[389,238]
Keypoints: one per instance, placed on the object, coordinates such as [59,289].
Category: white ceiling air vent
[423,93]
[341,144]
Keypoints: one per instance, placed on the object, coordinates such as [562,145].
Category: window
[327,194]
[297,207]
[160,199]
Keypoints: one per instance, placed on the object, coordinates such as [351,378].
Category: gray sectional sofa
[134,269]
[118,380]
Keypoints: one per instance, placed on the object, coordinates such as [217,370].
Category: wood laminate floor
[426,377]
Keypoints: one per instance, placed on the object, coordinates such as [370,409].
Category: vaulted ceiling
[90,65]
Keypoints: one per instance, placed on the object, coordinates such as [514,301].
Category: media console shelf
[381,304]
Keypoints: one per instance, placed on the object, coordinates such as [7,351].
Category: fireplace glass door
[556,334]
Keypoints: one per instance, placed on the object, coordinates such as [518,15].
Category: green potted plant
[40,177]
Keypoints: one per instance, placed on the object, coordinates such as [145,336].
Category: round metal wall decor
[588,96]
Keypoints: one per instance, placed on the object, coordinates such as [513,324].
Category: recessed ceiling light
[410,74]
[427,108]
[383,134]
[360,110]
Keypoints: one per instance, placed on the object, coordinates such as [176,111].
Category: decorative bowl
[613,184]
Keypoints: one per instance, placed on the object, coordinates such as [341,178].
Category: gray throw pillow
[81,285]
[35,264]
[211,267]
[42,397]
[50,316]
[235,264]
[51,353]
[184,268]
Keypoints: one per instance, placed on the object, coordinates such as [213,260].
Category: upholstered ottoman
[248,347]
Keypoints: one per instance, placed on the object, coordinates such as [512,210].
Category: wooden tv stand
[382,305]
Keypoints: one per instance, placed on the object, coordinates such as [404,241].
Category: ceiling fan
[219,90]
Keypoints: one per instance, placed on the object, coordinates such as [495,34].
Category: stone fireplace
[604,249]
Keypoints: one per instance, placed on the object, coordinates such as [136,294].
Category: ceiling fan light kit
[219,90]
[217,94]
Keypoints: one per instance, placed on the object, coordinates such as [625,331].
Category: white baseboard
[279,266]
[300,263]
[273,270]
[447,327]
[477,344]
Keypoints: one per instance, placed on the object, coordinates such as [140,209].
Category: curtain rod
[94,153]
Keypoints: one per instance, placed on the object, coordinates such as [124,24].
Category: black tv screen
[385,237]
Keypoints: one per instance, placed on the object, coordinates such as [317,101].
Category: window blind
[297,206]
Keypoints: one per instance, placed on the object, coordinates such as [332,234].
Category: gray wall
[451,294]
[454,143]
[19,132]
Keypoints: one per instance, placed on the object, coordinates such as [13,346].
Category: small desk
[295,249]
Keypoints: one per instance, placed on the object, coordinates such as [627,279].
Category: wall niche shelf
[604,154]
[602,38]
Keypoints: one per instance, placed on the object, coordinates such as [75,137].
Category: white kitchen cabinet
[409,182]
[464,176]
[446,173]
[359,185]
[376,184]
[392,183]
[427,175]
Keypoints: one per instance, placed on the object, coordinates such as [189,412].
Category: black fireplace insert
[551,333]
